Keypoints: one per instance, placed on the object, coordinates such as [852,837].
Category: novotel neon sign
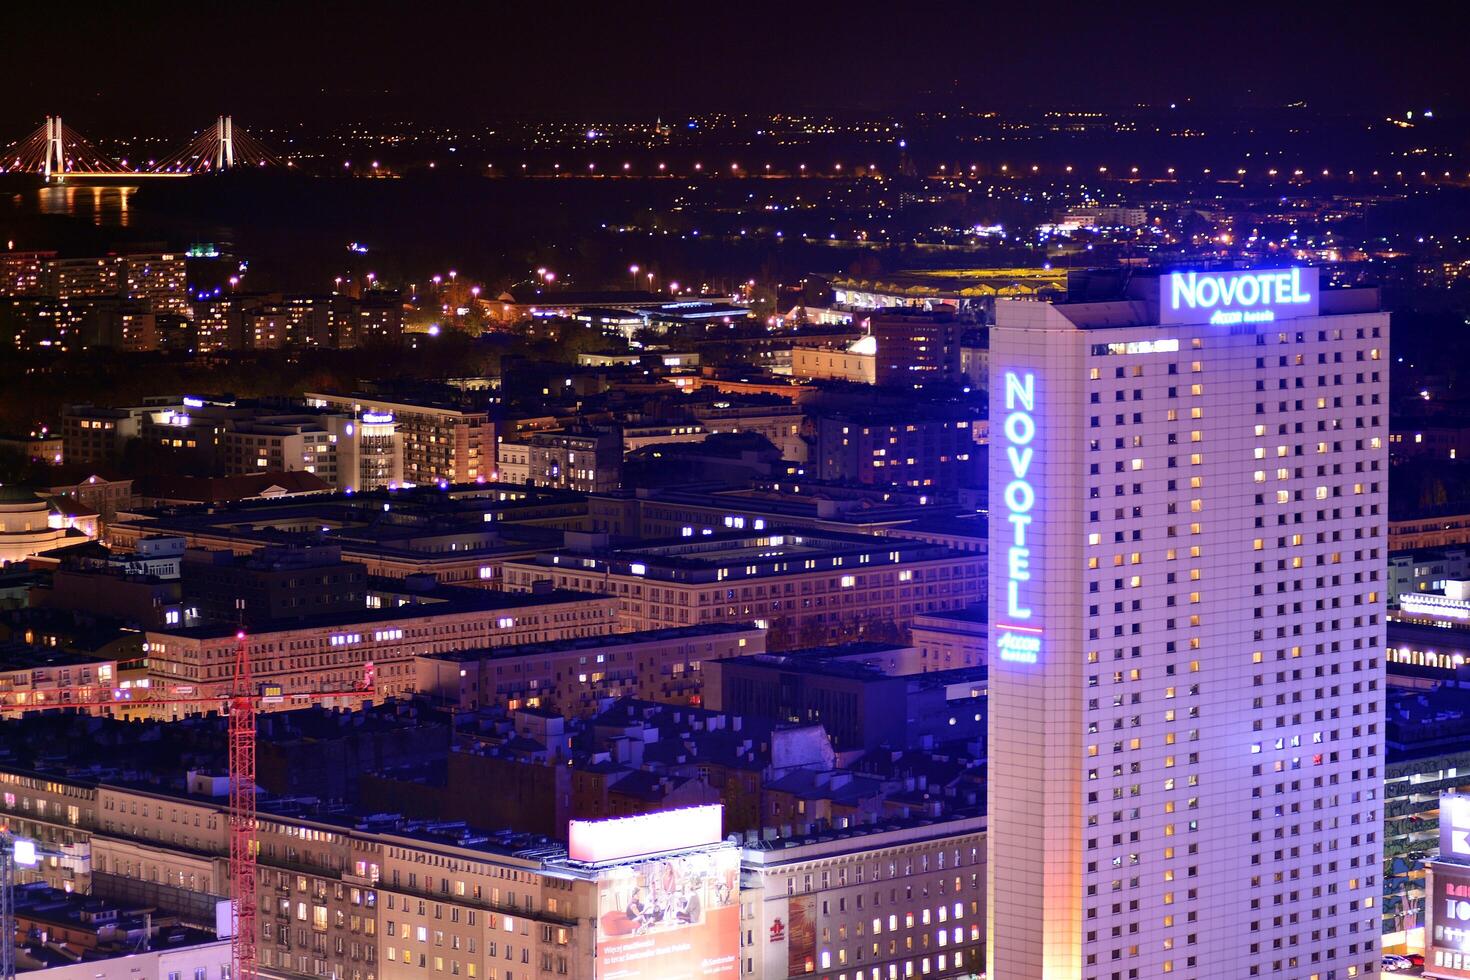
[1019,639]
[1225,298]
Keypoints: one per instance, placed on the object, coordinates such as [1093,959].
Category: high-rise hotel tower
[1188,493]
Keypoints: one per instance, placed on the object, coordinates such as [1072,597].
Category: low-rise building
[1425,570]
[856,362]
[64,936]
[374,646]
[921,446]
[1428,531]
[886,898]
[459,535]
[862,705]
[957,638]
[576,676]
[806,587]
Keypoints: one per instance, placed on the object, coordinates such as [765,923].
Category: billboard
[599,841]
[801,926]
[670,918]
[1454,827]
[1448,938]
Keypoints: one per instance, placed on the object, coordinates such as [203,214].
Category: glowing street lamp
[633,272]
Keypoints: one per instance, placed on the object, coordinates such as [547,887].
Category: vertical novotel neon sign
[1019,639]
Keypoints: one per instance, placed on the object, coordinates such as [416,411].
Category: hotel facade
[1188,500]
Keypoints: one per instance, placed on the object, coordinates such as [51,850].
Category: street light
[633,272]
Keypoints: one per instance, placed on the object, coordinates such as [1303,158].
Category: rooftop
[740,555]
[610,641]
[440,601]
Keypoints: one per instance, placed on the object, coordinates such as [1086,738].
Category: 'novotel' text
[1019,430]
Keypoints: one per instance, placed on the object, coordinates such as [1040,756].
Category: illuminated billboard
[599,841]
[1448,937]
[670,918]
[1454,826]
[801,950]
[1229,298]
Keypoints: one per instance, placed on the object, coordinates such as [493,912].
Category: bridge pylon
[53,164]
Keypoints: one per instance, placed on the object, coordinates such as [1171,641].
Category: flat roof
[467,601]
[593,642]
[745,555]
[22,656]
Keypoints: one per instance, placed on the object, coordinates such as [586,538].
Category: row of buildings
[143,302]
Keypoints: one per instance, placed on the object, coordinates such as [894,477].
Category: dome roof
[17,495]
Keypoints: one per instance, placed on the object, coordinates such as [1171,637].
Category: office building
[668,512]
[1187,505]
[576,677]
[855,361]
[915,347]
[93,434]
[1407,532]
[851,693]
[441,441]
[459,535]
[352,453]
[919,445]
[887,898]
[587,460]
[808,588]
[354,895]
[23,273]
[376,643]
[65,936]
[1426,570]
[158,279]
[272,584]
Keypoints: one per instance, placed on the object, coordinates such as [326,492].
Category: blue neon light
[1016,642]
[1223,298]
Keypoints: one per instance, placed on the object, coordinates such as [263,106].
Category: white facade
[203,961]
[1187,619]
[866,903]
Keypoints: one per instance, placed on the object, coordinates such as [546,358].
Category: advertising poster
[1449,937]
[674,918]
[801,928]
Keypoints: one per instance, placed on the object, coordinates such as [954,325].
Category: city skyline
[379,62]
[823,492]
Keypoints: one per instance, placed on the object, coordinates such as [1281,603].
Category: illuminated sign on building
[1449,891]
[600,841]
[1430,604]
[1454,826]
[665,917]
[1449,912]
[1014,641]
[377,418]
[1227,298]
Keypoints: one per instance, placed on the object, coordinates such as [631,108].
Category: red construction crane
[240,703]
[244,897]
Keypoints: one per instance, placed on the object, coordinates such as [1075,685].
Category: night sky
[167,66]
